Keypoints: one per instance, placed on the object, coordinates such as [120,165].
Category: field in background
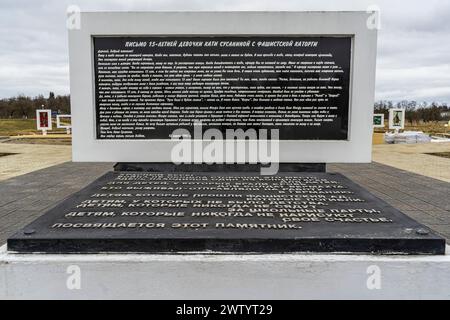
[428,127]
[16,127]
[431,128]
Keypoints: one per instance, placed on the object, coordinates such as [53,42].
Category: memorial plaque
[146,87]
[225,212]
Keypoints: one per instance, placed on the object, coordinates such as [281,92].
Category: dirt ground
[416,158]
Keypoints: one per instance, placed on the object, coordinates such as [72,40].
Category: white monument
[222,276]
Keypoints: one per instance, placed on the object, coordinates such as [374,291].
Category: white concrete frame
[391,119]
[357,148]
[382,120]
[38,119]
[211,276]
[58,121]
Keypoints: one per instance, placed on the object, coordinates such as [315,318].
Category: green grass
[14,127]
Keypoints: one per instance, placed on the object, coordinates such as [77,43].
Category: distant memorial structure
[396,119]
[378,120]
[44,120]
[144,83]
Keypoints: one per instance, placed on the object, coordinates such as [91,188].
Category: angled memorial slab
[223,213]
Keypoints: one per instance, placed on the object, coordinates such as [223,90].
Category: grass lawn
[430,127]
[14,127]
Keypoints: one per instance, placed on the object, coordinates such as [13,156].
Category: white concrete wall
[283,276]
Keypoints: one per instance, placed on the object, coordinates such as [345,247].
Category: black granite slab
[225,167]
[157,123]
[225,213]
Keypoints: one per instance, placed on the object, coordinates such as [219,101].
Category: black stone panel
[170,167]
[148,86]
[225,213]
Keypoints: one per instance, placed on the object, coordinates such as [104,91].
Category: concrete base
[200,276]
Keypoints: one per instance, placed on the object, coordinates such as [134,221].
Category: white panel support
[356,149]
[59,121]
[192,276]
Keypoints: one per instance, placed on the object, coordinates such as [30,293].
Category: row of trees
[416,112]
[23,107]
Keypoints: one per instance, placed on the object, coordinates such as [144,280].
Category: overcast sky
[413,44]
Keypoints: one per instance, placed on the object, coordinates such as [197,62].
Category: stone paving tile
[26,197]
[423,217]
[442,229]
[425,199]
